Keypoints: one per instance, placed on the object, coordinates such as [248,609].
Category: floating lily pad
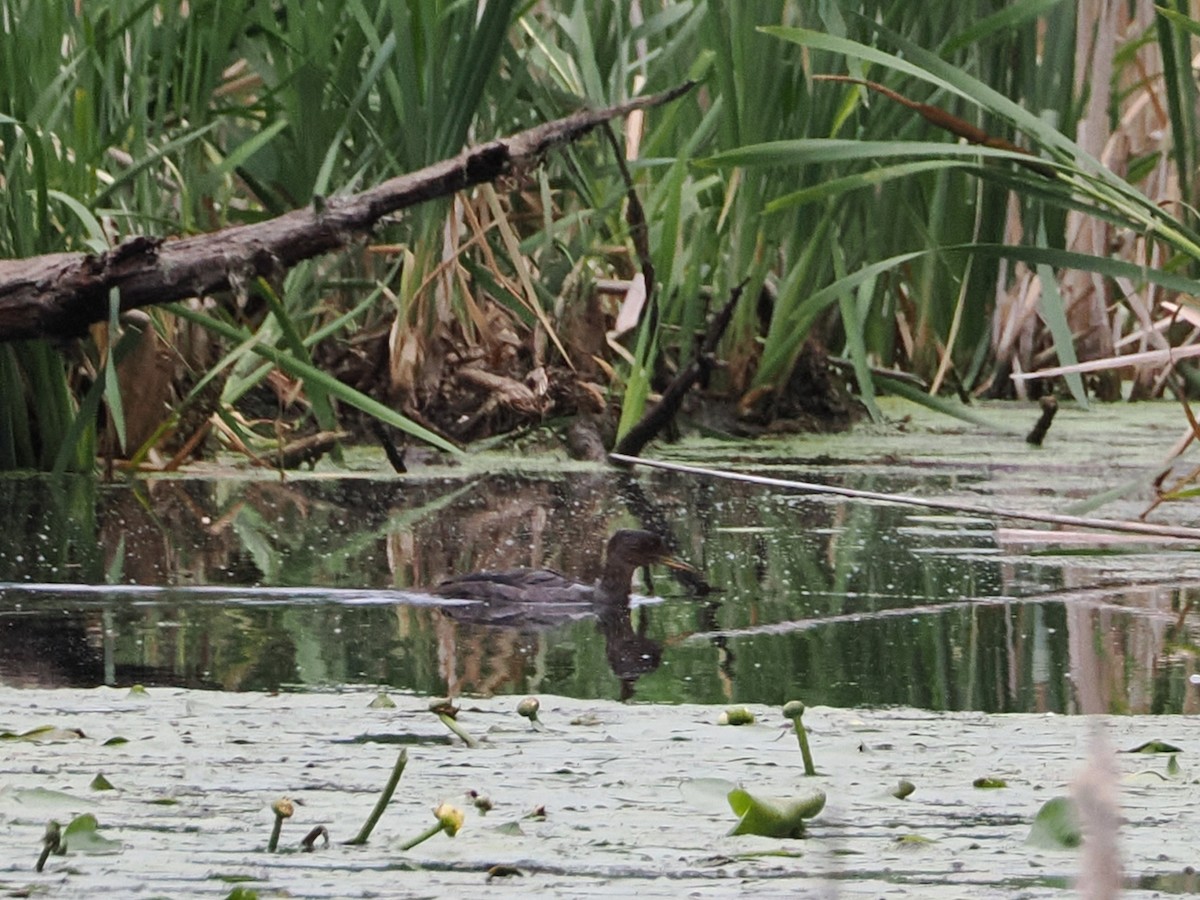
[100,783]
[989,783]
[42,800]
[1145,776]
[83,836]
[1155,747]
[903,788]
[1056,826]
[777,817]
[43,734]
[710,795]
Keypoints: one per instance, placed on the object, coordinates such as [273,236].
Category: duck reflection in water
[537,599]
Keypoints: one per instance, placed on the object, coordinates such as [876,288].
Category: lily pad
[1056,826]
[1155,747]
[42,800]
[43,734]
[903,789]
[777,817]
[83,836]
[1146,776]
[710,795]
[913,840]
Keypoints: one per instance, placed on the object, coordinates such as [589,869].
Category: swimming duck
[627,550]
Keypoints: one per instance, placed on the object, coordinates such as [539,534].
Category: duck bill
[672,562]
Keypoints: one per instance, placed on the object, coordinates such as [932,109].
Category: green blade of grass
[810,151]
[852,326]
[313,375]
[940,404]
[1054,313]
[1004,19]
[857,181]
[788,331]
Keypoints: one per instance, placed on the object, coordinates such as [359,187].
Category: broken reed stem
[1049,405]
[939,118]
[1181,532]
[382,802]
[635,217]
[310,839]
[51,843]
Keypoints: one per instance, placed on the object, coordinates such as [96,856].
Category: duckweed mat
[607,800]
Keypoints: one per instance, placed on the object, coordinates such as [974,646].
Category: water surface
[253,583]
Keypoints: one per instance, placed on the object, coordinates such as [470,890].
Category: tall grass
[936,276]
[138,117]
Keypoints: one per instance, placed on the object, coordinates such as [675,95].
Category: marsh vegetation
[940,196]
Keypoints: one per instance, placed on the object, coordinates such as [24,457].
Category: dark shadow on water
[268,585]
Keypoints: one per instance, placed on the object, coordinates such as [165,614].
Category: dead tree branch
[60,294]
[662,413]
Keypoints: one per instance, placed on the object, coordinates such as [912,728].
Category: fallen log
[58,295]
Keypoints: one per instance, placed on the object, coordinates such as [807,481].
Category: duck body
[517,586]
[627,550]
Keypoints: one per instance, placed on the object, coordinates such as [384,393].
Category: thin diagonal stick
[1147,528]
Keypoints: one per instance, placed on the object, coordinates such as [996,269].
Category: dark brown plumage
[627,551]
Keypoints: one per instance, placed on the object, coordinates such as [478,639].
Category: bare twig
[635,215]
[698,370]
[975,509]
[1037,434]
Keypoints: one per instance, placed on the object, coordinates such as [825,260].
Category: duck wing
[543,586]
